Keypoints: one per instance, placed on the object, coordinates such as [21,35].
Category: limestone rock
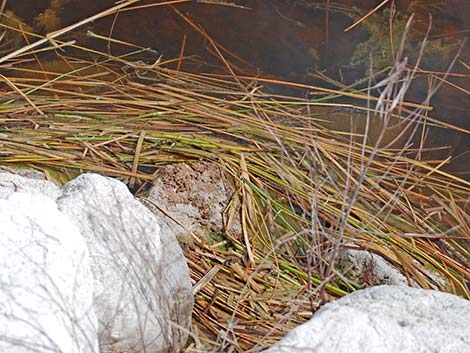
[384,319]
[370,268]
[27,173]
[143,294]
[46,284]
[26,182]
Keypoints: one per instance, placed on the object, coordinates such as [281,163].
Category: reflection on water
[292,40]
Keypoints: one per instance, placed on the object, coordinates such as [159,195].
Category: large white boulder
[46,285]
[142,290]
[385,319]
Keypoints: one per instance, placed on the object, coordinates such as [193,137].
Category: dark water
[290,39]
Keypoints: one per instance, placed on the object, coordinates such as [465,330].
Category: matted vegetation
[303,192]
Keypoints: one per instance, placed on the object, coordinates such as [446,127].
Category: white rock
[46,285]
[385,319]
[143,291]
[372,268]
[27,173]
[11,183]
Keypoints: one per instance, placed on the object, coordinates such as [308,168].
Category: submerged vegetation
[380,50]
[303,192]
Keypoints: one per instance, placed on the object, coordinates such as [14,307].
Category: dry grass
[303,191]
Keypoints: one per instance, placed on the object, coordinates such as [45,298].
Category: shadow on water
[295,40]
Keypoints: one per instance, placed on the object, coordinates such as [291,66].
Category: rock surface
[11,183]
[89,247]
[384,319]
[197,195]
[46,285]
[142,300]
[369,268]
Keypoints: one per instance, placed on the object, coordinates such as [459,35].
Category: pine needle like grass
[303,192]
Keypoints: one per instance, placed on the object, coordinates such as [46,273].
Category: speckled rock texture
[384,319]
[197,195]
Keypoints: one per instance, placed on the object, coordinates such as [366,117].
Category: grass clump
[303,192]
